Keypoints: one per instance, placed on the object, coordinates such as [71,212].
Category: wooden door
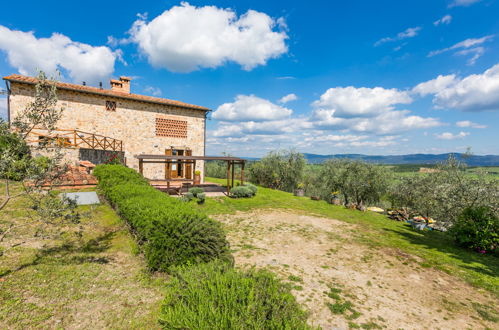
[188,166]
[168,166]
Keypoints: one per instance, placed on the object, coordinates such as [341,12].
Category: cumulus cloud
[360,102]
[444,20]
[467,123]
[462,3]
[250,108]
[186,38]
[82,62]
[408,33]
[369,110]
[466,47]
[476,92]
[435,85]
[450,136]
[272,127]
[288,98]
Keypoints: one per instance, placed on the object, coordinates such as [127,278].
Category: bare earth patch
[344,283]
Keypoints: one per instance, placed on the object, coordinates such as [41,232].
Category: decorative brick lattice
[171,128]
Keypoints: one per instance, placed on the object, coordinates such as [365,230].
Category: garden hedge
[216,296]
[171,232]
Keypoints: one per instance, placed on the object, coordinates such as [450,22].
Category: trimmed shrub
[215,296]
[477,228]
[196,190]
[201,198]
[241,192]
[251,187]
[170,232]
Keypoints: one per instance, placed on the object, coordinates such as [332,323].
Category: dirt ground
[344,284]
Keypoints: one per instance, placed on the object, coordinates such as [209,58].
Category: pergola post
[233,167]
[228,177]
[242,173]
[141,166]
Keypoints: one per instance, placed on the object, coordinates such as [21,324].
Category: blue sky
[373,77]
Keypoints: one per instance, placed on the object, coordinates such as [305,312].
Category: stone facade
[133,122]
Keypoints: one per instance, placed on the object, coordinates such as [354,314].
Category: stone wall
[133,122]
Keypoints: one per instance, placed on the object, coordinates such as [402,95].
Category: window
[171,128]
[110,105]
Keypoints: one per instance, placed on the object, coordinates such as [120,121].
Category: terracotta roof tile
[106,92]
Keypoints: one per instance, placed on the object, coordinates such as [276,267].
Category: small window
[110,105]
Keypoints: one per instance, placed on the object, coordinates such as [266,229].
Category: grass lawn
[96,282]
[436,248]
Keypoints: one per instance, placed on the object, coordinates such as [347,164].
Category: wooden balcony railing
[68,138]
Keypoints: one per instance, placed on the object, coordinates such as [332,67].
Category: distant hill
[474,160]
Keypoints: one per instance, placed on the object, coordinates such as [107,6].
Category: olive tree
[282,170]
[445,193]
[47,212]
[355,181]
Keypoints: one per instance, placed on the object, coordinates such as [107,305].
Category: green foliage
[201,198]
[171,232]
[356,181]
[15,155]
[477,228]
[251,187]
[282,170]
[444,194]
[242,192]
[196,190]
[215,296]
[187,197]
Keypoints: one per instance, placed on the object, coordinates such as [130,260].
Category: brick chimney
[122,85]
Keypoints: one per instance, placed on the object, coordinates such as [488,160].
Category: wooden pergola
[168,160]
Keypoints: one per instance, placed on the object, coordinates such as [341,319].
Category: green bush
[201,198]
[477,228]
[196,190]
[251,187]
[215,296]
[242,192]
[170,232]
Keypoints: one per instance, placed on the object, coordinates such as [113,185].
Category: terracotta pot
[197,179]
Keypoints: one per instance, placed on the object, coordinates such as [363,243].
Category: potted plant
[197,177]
[299,191]
[335,198]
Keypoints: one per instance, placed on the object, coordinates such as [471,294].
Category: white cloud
[250,108]
[435,85]
[3,108]
[82,62]
[450,136]
[467,123]
[476,92]
[154,91]
[408,33]
[462,3]
[288,98]
[273,127]
[466,47]
[444,20]
[186,38]
[360,102]
[394,122]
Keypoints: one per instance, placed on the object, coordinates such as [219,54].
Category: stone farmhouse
[98,123]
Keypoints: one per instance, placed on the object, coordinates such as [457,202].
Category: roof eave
[117,96]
